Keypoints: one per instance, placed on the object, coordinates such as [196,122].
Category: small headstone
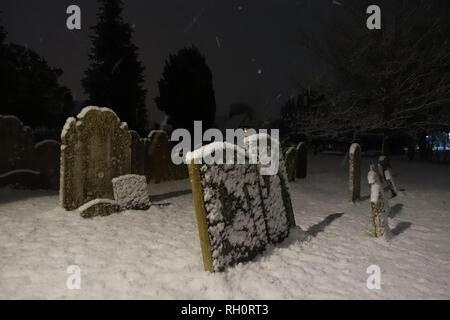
[131,192]
[302,160]
[379,205]
[355,172]
[99,207]
[290,160]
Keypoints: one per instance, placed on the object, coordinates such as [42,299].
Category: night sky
[250,46]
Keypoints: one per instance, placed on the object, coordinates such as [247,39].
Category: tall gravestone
[238,211]
[96,147]
[291,163]
[16,145]
[355,172]
[302,160]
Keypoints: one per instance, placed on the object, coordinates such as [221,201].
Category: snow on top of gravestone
[95,202]
[69,122]
[207,151]
[353,148]
[83,112]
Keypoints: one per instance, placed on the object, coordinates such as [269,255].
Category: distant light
[259,71]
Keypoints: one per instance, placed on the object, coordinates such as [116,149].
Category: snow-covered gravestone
[290,160]
[384,169]
[355,172]
[96,147]
[302,158]
[274,186]
[379,204]
[131,193]
[229,208]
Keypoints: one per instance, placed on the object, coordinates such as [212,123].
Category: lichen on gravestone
[96,147]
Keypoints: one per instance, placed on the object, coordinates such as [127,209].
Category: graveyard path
[156,254]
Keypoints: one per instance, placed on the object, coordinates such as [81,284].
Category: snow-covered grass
[156,253]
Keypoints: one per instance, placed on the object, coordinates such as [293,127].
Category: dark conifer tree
[115,78]
[29,89]
[186,90]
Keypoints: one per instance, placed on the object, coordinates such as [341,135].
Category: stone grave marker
[238,211]
[96,147]
[131,192]
[355,172]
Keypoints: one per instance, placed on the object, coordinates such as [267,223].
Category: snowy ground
[156,254]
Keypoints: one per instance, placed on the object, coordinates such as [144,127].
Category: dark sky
[250,46]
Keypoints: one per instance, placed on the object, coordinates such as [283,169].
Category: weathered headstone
[46,161]
[137,153]
[229,212]
[302,160]
[16,145]
[99,207]
[291,163]
[355,172]
[379,205]
[238,210]
[131,192]
[96,147]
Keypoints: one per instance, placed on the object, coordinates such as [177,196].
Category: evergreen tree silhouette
[29,89]
[115,78]
[186,90]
